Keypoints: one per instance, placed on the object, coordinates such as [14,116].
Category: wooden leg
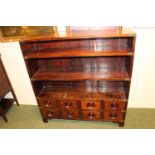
[45,120]
[121,124]
[15,98]
[4,117]
[2,114]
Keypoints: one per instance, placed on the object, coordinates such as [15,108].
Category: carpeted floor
[28,117]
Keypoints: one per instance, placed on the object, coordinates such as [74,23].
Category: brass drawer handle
[113,115]
[50,114]
[48,104]
[68,104]
[91,115]
[90,104]
[114,105]
[69,114]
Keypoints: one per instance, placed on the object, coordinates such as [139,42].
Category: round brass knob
[90,104]
[68,104]
[69,114]
[113,115]
[114,105]
[91,115]
[48,104]
[50,114]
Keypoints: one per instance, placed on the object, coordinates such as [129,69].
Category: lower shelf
[62,93]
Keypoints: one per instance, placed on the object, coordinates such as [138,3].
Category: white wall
[16,70]
[142,92]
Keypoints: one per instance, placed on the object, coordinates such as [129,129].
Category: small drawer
[91,115]
[114,116]
[70,114]
[90,105]
[114,105]
[50,113]
[69,104]
[49,104]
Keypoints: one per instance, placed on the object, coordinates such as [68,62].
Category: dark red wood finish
[81,76]
[5,87]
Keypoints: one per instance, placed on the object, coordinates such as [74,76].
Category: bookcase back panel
[82,64]
[81,86]
[93,45]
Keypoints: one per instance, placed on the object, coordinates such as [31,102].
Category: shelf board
[75,53]
[82,94]
[106,74]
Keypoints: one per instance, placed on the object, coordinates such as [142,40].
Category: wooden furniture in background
[84,75]
[5,87]
[92,29]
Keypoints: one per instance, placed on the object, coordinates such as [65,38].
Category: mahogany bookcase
[82,75]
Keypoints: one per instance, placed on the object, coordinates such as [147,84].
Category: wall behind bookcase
[142,92]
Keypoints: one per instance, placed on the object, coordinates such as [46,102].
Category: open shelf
[75,53]
[121,46]
[47,92]
[77,69]
[108,90]
[106,74]
[82,94]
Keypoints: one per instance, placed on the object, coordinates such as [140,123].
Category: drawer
[70,114]
[90,105]
[50,113]
[68,104]
[114,116]
[114,105]
[49,104]
[91,115]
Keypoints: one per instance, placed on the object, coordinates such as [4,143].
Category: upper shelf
[75,53]
[79,48]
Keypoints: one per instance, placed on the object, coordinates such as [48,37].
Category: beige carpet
[28,117]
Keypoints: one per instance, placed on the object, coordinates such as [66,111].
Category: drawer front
[68,104]
[70,114]
[113,116]
[114,105]
[48,104]
[50,113]
[91,115]
[90,105]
